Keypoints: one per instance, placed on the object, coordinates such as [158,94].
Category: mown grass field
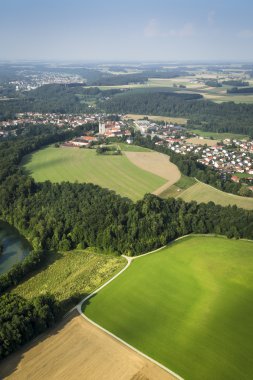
[218,136]
[199,141]
[84,165]
[70,276]
[200,192]
[189,306]
[132,148]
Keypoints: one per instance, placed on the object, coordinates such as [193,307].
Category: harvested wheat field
[156,163]
[199,141]
[76,349]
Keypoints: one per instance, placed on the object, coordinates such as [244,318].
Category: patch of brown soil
[156,163]
[76,349]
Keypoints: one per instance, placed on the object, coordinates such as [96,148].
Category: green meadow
[84,165]
[201,192]
[189,306]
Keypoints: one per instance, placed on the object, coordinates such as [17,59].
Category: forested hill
[223,117]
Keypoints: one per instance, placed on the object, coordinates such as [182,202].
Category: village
[38,79]
[231,156]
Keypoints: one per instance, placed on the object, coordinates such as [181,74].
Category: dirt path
[156,163]
[76,349]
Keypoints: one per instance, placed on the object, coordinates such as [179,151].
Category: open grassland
[168,119]
[201,192]
[132,148]
[173,191]
[193,85]
[196,85]
[75,349]
[71,275]
[189,306]
[218,136]
[84,165]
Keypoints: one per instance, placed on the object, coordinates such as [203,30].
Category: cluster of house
[81,142]
[33,81]
[113,129]
[230,156]
[226,160]
[61,120]
[161,130]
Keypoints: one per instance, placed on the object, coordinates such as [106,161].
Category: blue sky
[154,30]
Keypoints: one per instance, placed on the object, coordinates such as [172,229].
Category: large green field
[219,136]
[84,165]
[189,306]
[201,192]
[70,276]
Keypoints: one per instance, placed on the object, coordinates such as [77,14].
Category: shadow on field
[87,303]
[9,365]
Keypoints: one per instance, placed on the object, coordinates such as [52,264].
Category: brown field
[76,349]
[179,120]
[208,142]
[156,163]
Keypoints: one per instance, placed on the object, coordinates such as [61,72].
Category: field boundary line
[79,309]
[131,347]
[130,259]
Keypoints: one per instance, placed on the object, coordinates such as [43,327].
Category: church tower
[101,130]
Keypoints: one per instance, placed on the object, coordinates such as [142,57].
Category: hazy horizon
[134,31]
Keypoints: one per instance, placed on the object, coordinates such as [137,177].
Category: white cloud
[246,33]
[153,29]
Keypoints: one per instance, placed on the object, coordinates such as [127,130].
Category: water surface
[15,247]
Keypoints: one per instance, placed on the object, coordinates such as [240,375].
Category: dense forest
[223,117]
[54,98]
[244,90]
[69,215]
[22,320]
[235,83]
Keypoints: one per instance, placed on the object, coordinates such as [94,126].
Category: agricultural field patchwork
[189,306]
[84,165]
